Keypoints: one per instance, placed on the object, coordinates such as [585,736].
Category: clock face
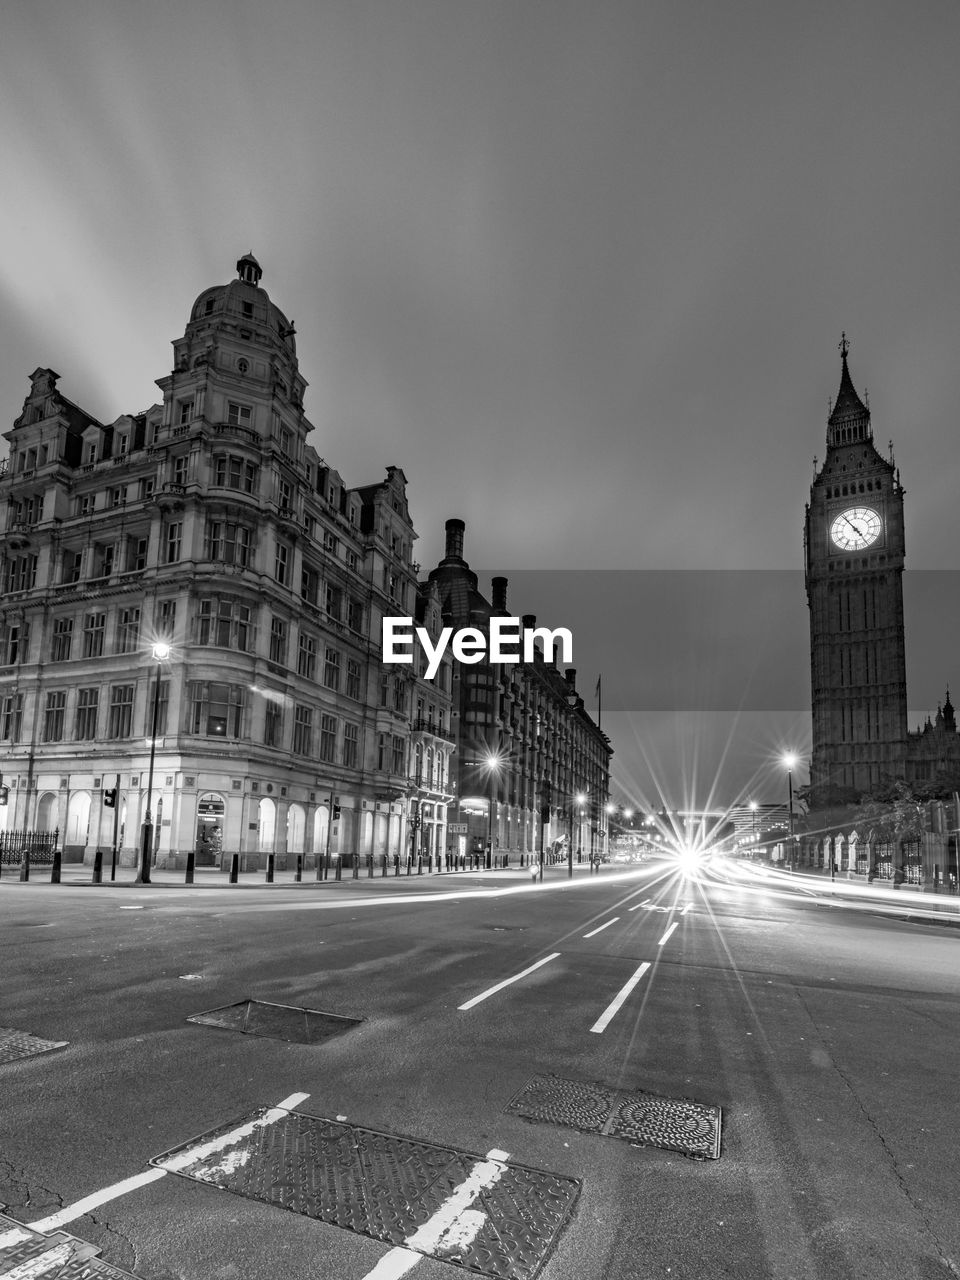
[856,528]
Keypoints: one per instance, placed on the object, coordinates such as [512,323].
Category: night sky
[579,269]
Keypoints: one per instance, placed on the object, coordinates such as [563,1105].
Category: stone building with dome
[210,523]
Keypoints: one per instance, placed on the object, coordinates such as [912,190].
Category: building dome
[243,304]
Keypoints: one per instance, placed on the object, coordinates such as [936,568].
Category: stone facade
[208,521]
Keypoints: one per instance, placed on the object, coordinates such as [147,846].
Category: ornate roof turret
[949,716]
[849,421]
[241,306]
[248,269]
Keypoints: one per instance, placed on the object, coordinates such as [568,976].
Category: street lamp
[492,764]
[581,801]
[789,762]
[161,651]
[753,810]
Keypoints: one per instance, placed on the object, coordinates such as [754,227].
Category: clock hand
[853,526]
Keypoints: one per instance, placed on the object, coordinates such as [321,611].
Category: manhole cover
[276,1021]
[673,1124]
[20,1044]
[26,1254]
[388,1187]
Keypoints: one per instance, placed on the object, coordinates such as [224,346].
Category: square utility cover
[276,1021]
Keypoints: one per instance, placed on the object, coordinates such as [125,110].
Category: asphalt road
[827,1034]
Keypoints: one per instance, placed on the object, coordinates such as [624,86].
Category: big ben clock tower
[854,545]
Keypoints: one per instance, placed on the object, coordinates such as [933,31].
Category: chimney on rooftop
[454,530]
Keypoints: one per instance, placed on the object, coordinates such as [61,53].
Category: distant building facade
[209,522]
[532,769]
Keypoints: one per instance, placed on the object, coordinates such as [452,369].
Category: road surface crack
[888,1151]
[24,1196]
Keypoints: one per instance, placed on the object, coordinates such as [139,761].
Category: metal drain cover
[387,1187]
[276,1021]
[673,1124]
[20,1044]
[25,1253]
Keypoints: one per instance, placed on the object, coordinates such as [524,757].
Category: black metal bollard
[191,866]
[298,874]
[97,877]
[409,864]
[396,864]
[234,868]
[419,866]
[270,865]
[339,872]
[25,864]
[356,866]
[55,869]
[370,866]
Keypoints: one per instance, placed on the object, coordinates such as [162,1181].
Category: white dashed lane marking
[615,1004]
[492,991]
[600,928]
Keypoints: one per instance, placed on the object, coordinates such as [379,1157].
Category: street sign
[457,828]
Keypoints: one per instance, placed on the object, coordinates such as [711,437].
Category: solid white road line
[593,932]
[453,1223]
[492,991]
[80,1207]
[667,934]
[614,1005]
[687,908]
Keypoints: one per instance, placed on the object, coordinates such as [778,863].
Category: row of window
[211,709]
[846,491]
[220,622]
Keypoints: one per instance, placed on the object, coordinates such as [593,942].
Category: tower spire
[849,421]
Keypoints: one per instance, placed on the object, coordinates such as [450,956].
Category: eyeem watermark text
[508,642]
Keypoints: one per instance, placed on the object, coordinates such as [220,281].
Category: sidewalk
[75,874]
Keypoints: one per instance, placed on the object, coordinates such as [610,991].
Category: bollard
[384,866]
[396,864]
[409,864]
[55,869]
[356,866]
[338,875]
[419,866]
[25,864]
[298,875]
[191,865]
[370,865]
[270,858]
[234,868]
[97,877]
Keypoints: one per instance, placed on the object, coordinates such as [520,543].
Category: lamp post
[492,764]
[581,801]
[753,810]
[789,761]
[161,651]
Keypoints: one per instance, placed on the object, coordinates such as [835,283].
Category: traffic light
[4,793]
[336,810]
[110,797]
